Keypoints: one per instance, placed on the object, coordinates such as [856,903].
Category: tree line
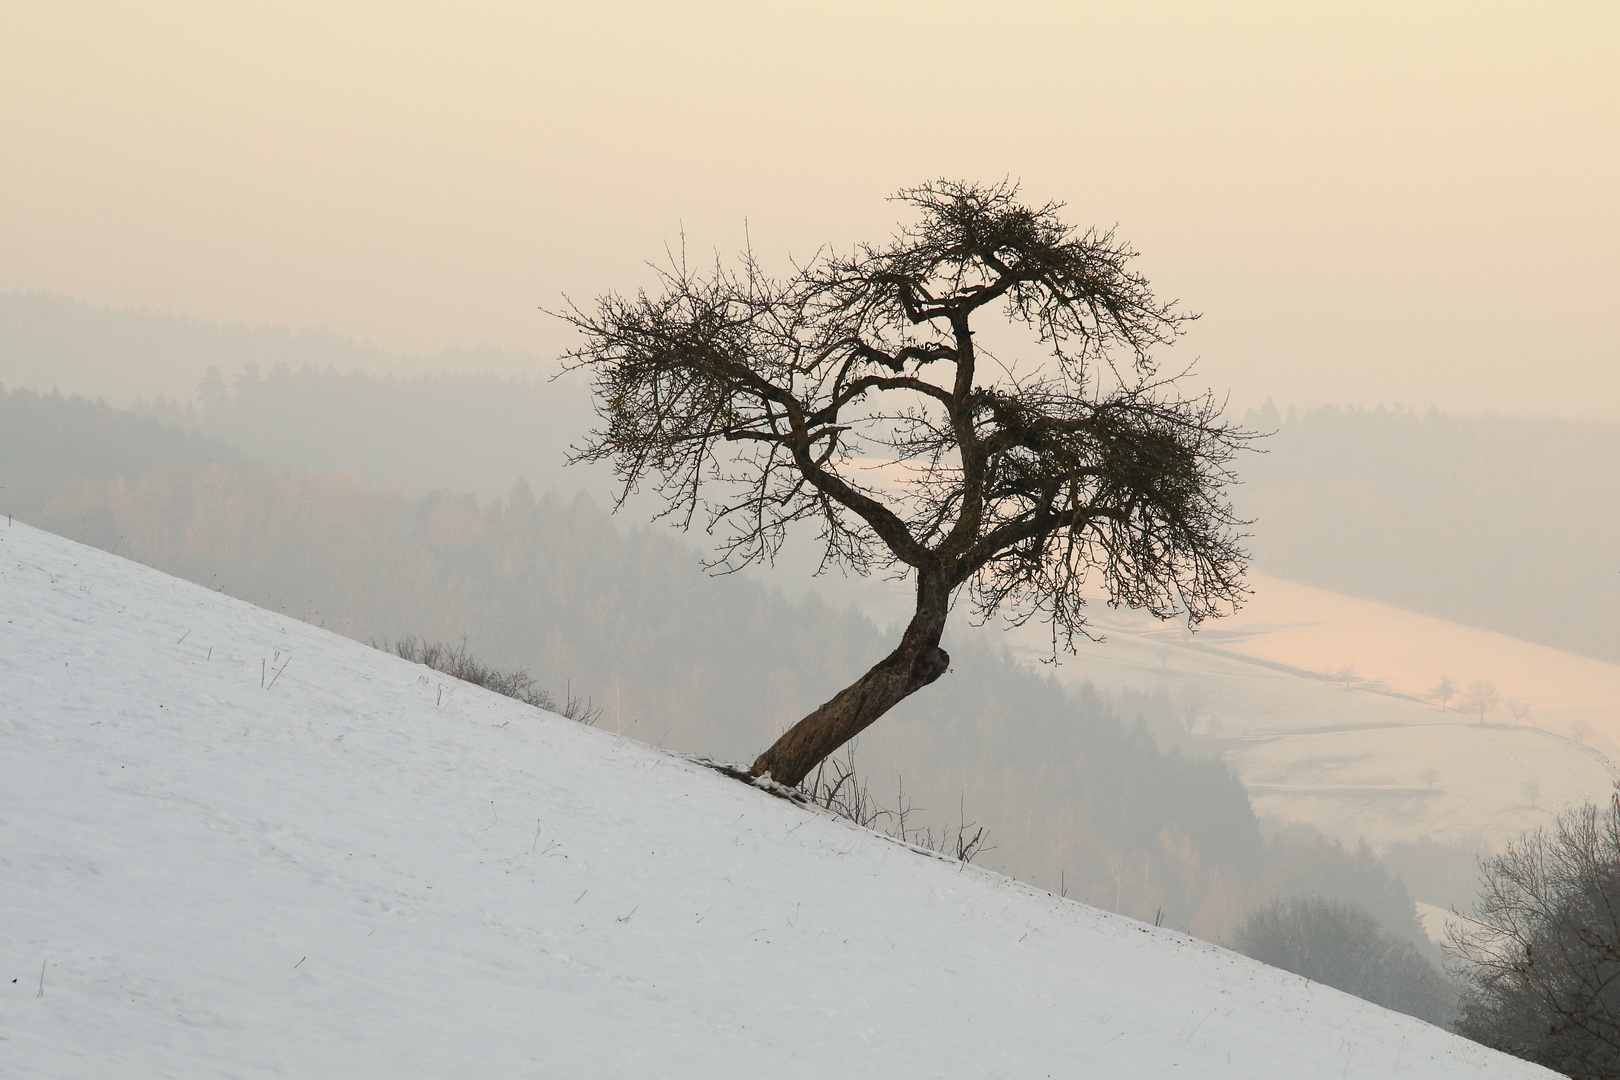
[1447,515]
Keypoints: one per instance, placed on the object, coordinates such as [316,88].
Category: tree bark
[915,662]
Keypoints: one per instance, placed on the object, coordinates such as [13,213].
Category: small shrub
[456,662]
[835,786]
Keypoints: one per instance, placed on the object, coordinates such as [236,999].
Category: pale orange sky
[1412,202]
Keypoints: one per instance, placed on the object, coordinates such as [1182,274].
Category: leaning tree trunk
[916,661]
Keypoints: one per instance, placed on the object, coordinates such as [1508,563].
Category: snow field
[232,844]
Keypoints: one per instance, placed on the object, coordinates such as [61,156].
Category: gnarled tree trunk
[916,661]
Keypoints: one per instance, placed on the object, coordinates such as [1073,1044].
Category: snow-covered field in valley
[232,844]
[1322,705]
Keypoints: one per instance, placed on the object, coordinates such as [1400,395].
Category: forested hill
[1510,524]
[1507,523]
[477,432]
[48,341]
[48,440]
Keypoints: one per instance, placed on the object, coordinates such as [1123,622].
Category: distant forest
[1085,793]
[1509,524]
[49,341]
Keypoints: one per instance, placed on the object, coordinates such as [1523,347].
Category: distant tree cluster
[1302,862]
[1479,698]
[1344,947]
[1444,873]
[466,432]
[47,441]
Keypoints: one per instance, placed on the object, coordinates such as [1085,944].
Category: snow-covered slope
[232,844]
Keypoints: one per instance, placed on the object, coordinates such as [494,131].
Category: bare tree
[1444,691]
[1541,952]
[853,393]
[1480,697]
[1429,776]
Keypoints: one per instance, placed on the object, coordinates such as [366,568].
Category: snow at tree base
[233,844]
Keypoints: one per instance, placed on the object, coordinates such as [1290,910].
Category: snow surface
[232,844]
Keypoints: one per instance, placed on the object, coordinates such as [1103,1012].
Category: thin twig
[278,674]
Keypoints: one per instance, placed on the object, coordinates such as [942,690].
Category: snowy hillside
[237,845]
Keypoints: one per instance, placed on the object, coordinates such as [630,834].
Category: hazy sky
[1412,202]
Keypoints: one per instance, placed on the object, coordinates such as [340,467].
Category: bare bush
[836,786]
[1480,697]
[1541,953]
[456,662]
